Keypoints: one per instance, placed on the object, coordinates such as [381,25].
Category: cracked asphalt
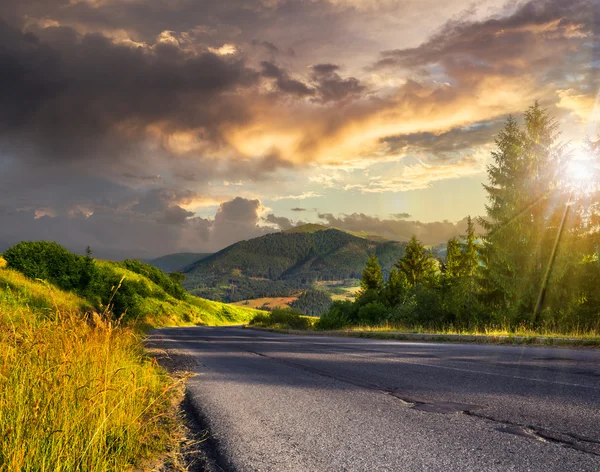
[277,402]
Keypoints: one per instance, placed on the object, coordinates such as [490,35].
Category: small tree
[372,278]
[396,288]
[417,263]
[470,256]
[454,259]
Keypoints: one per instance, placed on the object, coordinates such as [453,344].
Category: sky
[147,127]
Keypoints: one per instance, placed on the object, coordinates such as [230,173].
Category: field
[271,302]
[349,293]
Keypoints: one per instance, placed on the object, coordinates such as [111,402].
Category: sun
[582,175]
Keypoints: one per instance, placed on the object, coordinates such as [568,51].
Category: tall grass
[492,330]
[77,393]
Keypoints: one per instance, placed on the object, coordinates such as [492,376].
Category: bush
[312,302]
[339,315]
[96,281]
[372,313]
[171,284]
[51,262]
[282,318]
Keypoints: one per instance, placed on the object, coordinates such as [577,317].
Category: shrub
[339,315]
[171,284]
[282,318]
[372,313]
[312,302]
[51,262]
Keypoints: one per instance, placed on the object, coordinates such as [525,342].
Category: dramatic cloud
[280,222]
[153,226]
[400,230]
[126,123]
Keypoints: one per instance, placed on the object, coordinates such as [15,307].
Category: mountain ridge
[278,264]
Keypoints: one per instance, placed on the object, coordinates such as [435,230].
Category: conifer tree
[469,255]
[372,278]
[396,288]
[417,263]
[453,265]
[522,213]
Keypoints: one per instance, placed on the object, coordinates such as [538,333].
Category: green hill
[176,262]
[144,294]
[279,264]
[314,227]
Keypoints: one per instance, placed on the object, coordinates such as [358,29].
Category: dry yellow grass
[478,331]
[76,393]
[271,302]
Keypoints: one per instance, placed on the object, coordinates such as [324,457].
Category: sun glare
[581,175]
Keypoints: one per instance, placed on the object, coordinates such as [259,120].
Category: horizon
[143,130]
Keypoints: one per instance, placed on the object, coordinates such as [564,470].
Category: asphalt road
[300,403]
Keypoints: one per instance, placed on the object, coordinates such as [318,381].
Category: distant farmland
[270,302]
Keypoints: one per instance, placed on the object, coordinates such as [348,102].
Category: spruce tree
[453,266]
[469,255]
[417,263]
[522,214]
[372,278]
[396,288]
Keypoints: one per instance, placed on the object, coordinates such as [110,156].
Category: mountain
[176,262]
[313,227]
[279,264]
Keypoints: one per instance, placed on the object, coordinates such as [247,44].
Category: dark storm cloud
[398,229]
[153,227]
[281,222]
[538,31]
[284,82]
[443,145]
[333,88]
[325,84]
[67,96]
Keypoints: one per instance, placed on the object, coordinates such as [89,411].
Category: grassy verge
[493,331]
[488,335]
[75,393]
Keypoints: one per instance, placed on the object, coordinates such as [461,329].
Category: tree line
[537,263]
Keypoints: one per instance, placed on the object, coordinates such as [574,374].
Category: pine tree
[396,288]
[417,263]
[522,213]
[453,266]
[372,278]
[469,254]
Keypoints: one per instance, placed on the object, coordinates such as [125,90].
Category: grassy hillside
[176,262]
[160,309]
[280,264]
[76,391]
[135,292]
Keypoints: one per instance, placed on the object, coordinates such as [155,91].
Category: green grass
[77,392]
[495,331]
[161,309]
[490,334]
[284,318]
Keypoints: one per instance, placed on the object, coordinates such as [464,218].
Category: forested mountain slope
[279,263]
[176,262]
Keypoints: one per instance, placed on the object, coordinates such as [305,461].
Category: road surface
[299,403]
